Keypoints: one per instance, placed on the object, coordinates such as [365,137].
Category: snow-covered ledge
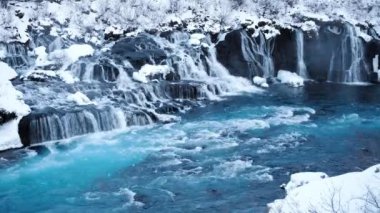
[316,192]
[10,102]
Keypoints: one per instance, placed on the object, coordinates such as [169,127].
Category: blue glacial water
[230,156]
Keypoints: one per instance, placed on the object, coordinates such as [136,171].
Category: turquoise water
[230,156]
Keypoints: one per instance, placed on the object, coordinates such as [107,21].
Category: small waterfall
[15,54]
[376,67]
[56,125]
[347,63]
[301,67]
[258,54]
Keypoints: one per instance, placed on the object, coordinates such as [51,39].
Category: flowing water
[230,156]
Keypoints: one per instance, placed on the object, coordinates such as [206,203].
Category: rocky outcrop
[336,52]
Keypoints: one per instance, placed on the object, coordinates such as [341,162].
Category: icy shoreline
[316,192]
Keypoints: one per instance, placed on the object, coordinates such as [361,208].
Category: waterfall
[301,67]
[54,125]
[14,54]
[257,52]
[118,101]
[346,65]
[376,67]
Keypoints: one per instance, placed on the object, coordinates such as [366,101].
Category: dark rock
[6,116]
[139,50]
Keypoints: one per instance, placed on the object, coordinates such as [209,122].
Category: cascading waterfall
[258,53]
[14,54]
[119,101]
[349,67]
[59,125]
[301,67]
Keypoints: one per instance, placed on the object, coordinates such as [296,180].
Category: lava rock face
[285,50]
[230,54]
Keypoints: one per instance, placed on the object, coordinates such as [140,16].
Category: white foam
[130,195]
[231,169]
[79,98]
[149,71]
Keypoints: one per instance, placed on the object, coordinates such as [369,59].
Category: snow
[39,74]
[79,98]
[10,98]
[196,39]
[149,71]
[289,78]
[6,71]
[365,37]
[351,192]
[85,20]
[303,178]
[67,77]
[67,56]
[261,82]
[10,101]
[9,135]
[42,57]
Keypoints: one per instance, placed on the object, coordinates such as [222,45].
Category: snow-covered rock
[79,98]
[10,102]
[149,71]
[42,57]
[261,82]
[39,75]
[289,78]
[197,39]
[303,178]
[71,54]
[10,98]
[6,72]
[9,135]
[351,192]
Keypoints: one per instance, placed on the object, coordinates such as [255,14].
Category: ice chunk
[289,78]
[261,82]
